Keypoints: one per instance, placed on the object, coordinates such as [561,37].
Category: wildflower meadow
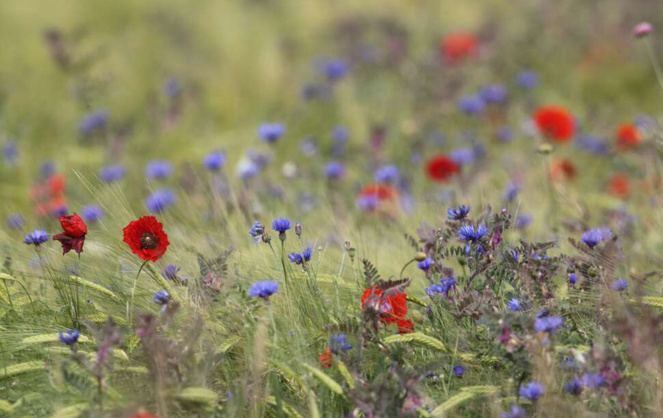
[367,209]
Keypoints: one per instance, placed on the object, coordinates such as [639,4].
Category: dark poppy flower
[146,238]
[619,185]
[459,46]
[73,236]
[555,123]
[628,137]
[326,358]
[393,306]
[441,168]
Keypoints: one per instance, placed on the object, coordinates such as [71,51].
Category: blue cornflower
[309,146]
[36,237]
[593,237]
[387,174]
[173,88]
[10,152]
[511,191]
[425,264]
[515,412]
[47,169]
[458,370]
[256,231]
[447,284]
[281,224]
[158,169]
[69,337]
[271,132]
[93,122]
[573,386]
[573,278]
[160,200]
[170,272]
[307,254]
[247,168]
[334,170]
[494,94]
[215,160]
[514,254]
[92,213]
[340,134]
[462,156]
[592,144]
[524,220]
[338,343]
[468,233]
[619,285]
[592,380]
[527,79]
[15,221]
[471,105]
[514,305]
[548,324]
[263,289]
[454,214]
[295,258]
[368,203]
[531,391]
[504,134]
[334,68]
[111,173]
[434,289]
[161,297]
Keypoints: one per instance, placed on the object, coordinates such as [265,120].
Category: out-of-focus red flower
[326,358]
[619,185]
[555,123]
[628,137]
[441,168]
[459,46]
[381,191]
[142,414]
[146,238]
[393,306]
[405,326]
[73,236]
[49,196]
[562,170]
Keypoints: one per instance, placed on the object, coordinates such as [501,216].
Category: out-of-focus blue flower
[340,133]
[434,289]
[334,170]
[462,156]
[170,272]
[527,79]
[425,264]
[338,343]
[468,233]
[594,237]
[471,105]
[515,412]
[247,169]
[271,132]
[69,337]
[619,285]
[511,191]
[161,297]
[454,214]
[93,122]
[447,283]
[307,253]
[111,173]
[573,386]
[531,391]
[592,144]
[505,134]
[592,380]
[334,68]
[256,231]
[158,169]
[10,152]
[368,203]
[215,160]
[524,220]
[387,174]
[59,211]
[281,224]
[173,88]
[263,289]
[548,324]
[458,370]
[494,94]
[36,237]
[15,221]
[159,200]
[47,169]
[514,305]
[309,146]
[92,213]
[573,278]
[295,258]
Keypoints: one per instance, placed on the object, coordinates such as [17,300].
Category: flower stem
[133,292]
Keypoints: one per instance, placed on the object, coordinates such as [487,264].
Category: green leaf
[197,395]
[20,368]
[418,338]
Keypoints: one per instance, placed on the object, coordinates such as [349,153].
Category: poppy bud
[420,256]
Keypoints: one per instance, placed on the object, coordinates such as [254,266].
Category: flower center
[148,241]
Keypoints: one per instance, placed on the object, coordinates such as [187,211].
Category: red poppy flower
[405,326]
[393,306]
[73,236]
[146,238]
[381,191]
[326,358]
[628,137]
[440,168]
[555,123]
[458,46]
[143,414]
[619,185]
[562,170]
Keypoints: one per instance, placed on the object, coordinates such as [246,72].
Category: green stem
[654,62]
[133,292]
[400,276]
